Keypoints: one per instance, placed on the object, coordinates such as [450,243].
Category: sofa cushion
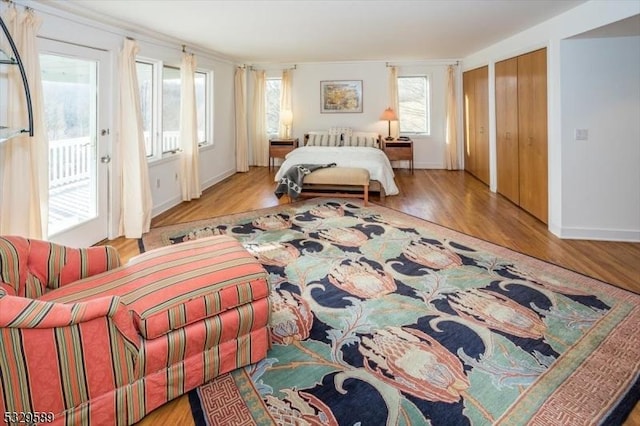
[170,287]
[338,176]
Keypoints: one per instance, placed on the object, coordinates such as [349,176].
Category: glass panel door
[77,179]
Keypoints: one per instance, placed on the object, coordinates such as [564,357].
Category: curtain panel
[393,99]
[451,121]
[259,139]
[286,90]
[242,140]
[136,202]
[189,161]
[25,188]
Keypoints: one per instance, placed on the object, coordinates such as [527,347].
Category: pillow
[322,139]
[367,140]
[346,131]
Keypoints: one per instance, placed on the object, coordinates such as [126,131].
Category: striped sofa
[84,340]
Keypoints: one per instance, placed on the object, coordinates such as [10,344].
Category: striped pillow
[323,139]
[360,140]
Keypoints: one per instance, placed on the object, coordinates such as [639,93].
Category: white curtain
[286,89]
[393,100]
[452,120]
[189,164]
[242,142]
[136,202]
[259,139]
[24,197]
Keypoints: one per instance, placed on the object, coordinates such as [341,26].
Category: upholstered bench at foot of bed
[333,180]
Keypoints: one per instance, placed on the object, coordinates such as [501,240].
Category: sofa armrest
[62,355]
[21,312]
[55,265]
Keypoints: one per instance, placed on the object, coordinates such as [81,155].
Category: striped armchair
[84,340]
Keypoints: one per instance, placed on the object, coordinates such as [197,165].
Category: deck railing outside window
[69,161]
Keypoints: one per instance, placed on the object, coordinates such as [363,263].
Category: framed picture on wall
[337,96]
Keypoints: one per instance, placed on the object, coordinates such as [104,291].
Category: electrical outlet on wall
[582,134]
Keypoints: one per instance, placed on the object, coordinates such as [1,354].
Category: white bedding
[372,159]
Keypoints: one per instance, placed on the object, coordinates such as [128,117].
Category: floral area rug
[383,318]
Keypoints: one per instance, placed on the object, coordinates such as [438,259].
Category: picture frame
[340,96]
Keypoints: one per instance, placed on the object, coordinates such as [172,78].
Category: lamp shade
[389,115]
[287,117]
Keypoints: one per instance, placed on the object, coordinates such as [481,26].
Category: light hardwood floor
[453,199]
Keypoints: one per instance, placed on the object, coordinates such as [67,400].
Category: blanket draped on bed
[291,182]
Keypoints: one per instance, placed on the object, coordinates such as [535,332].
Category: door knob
[105,160]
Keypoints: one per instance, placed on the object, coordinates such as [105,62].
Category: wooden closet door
[481,84]
[507,129]
[476,122]
[469,121]
[532,120]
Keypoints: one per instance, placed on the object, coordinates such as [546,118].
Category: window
[170,109]
[413,105]
[145,81]
[201,106]
[272,95]
[71,98]
[160,89]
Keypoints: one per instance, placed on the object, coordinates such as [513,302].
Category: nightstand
[279,148]
[398,150]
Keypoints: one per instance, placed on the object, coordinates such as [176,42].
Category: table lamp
[287,119]
[389,115]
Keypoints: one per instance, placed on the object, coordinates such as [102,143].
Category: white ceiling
[327,31]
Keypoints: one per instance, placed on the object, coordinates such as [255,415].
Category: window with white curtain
[170,109]
[160,106]
[413,105]
[145,71]
[272,102]
[202,107]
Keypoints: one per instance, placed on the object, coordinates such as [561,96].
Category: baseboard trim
[161,208]
[632,236]
[172,202]
[401,164]
[218,178]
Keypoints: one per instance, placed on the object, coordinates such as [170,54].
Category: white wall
[429,151]
[601,176]
[550,34]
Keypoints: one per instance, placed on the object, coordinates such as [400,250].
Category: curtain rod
[73,44]
[252,68]
[12,3]
[426,62]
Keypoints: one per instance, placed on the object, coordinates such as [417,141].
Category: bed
[346,149]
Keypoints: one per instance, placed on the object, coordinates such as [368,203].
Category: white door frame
[97,229]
